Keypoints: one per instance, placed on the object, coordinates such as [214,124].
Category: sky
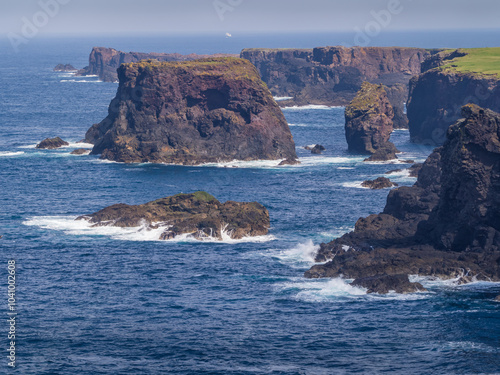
[87,17]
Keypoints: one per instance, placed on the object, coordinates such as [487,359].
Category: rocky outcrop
[446,225]
[104,62]
[289,162]
[415,169]
[333,75]
[379,183]
[316,149]
[52,143]
[80,151]
[384,284]
[368,123]
[437,96]
[195,112]
[198,215]
[65,68]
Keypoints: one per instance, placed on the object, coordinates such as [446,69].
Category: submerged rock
[368,123]
[316,149]
[210,110]
[290,162]
[383,284]
[80,151]
[199,215]
[497,298]
[444,225]
[52,143]
[65,68]
[379,183]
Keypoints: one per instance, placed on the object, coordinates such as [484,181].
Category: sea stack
[368,123]
[208,110]
[446,225]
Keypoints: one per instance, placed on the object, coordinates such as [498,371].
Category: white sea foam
[354,184]
[70,226]
[28,146]
[431,281]
[81,81]
[299,125]
[78,145]
[320,290]
[281,98]
[300,256]
[9,153]
[309,107]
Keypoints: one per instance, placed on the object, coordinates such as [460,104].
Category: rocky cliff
[104,62]
[368,122]
[195,112]
[450,80]
[446,225]
[333,75]
[198,215]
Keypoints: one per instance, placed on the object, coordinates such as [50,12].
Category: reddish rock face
[368,122]
[333,75]
[208,110]
[104,62]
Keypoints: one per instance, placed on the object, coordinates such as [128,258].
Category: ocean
[117,301]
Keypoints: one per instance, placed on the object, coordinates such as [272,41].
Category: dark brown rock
[368,123]
[198,214]
[52,143]
[318,149]
[80,151]
[415,169]
[379,183]
[497,298]
[384,153]
[65,68]
[290,162]
[195,112]
[446,225]
[383,284]
[104,62]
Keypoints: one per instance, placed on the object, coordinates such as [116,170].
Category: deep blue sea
[116,301]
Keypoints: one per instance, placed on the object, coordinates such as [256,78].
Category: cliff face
[104,62]
[446,225]
[333,75]
[447,83]
[190,113]
[368,120]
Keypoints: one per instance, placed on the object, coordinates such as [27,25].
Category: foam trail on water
[70,226]
[9,153]
[309,107]
[80,81]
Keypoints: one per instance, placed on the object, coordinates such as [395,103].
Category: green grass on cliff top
[478,61]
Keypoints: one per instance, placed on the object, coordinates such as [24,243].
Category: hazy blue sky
[239,16]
